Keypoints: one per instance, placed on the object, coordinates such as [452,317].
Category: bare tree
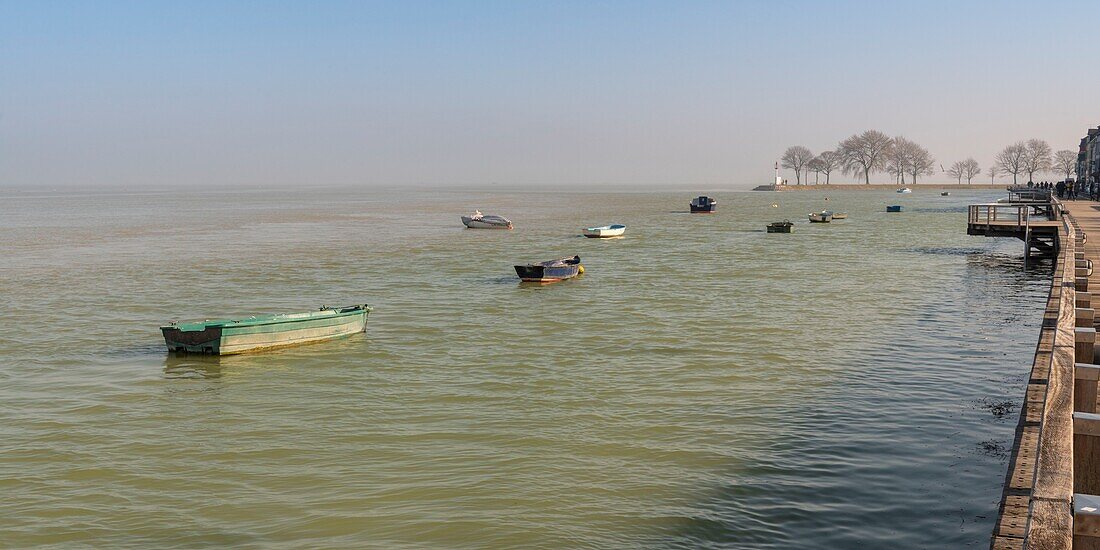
[865,153]
[1036,157]
[814,166]
[1011,159]
[993,173]
[827,162]
[796,158]
[956,171]
[970,169]
[1065,162]
[921,162]
[898,158]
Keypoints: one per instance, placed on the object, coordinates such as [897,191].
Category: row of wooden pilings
[1086,416]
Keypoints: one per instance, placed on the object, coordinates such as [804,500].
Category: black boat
[784,226]
[704,204]
[552,271]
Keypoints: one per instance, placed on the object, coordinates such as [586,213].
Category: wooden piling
[1085,317]
[1084,339]
[1086,522]
[1086,376]
[1086,452]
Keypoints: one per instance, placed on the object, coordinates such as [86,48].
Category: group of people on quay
[1070,190]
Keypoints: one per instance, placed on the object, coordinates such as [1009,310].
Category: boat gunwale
[363,309]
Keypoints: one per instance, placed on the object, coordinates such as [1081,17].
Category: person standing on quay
[1060,188]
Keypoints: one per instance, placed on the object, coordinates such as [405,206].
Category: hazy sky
[521,92]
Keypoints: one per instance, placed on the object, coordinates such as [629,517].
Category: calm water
[703,385]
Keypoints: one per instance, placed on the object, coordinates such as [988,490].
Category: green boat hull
[227,337]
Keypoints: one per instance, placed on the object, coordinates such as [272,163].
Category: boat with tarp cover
[477,220]
[227,337]
[550,272]
[784,226]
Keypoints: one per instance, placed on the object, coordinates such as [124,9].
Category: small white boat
[840,215]
[605,231]
[821,217]
[945,194]
[477,220]
[905,190]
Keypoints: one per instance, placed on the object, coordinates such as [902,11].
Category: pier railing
[1002,213]
[1023,192]
[1012,213]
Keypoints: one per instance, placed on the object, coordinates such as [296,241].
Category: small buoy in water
[580,269]
[826,198]
[774,205]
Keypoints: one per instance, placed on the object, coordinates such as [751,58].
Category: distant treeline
[873,151]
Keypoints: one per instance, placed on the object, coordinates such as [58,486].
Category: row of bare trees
[873,151]
[1034,157]
[861,155]
[968,169]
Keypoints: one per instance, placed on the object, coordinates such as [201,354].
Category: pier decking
[1051,496]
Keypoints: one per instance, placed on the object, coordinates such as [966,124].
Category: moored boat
[905,190]
[894,208]
[703,204]
[477,220]
[784,226]
[945,194]
[227,337]
[821,217]
[551,271]
[840,215]
[605,231]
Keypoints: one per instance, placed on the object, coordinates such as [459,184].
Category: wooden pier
[1051,496]
[1027,215]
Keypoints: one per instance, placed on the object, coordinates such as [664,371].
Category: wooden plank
[1007,543]
[1050,522]
[1051,525]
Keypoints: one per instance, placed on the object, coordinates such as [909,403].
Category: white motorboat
[905,190]
[605,231]
[821,217]
[477,220]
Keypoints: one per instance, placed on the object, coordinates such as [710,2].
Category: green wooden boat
[226,337]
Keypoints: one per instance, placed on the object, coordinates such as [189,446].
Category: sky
[533,94]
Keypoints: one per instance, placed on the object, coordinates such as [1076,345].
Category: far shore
[889,186]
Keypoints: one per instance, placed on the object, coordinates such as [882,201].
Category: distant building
[1088,157]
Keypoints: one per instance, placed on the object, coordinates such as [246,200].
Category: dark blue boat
[894,208]
[550,272]
[703,204]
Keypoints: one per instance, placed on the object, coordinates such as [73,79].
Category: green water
[703,385]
